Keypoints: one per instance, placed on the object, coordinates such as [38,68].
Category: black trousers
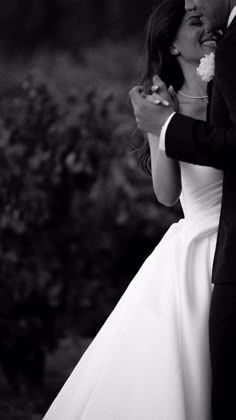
[222,332]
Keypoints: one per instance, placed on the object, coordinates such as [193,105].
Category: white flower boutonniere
[206,69]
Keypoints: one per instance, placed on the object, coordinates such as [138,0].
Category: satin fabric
[150,360]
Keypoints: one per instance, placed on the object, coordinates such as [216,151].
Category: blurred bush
[77,217]
[109,66]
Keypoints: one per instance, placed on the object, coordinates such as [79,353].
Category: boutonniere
[206,69]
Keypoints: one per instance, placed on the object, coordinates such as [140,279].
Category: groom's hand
[151,117]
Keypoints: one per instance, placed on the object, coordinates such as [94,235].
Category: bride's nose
[190,5]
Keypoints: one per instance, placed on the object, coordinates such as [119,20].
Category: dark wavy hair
[162,27]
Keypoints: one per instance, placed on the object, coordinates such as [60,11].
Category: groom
[211,144]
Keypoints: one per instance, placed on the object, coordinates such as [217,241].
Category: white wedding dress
[150,360]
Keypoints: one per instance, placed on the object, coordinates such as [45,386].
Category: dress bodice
[201,190]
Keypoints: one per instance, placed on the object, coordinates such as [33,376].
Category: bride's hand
[162,94]
[153,98]
[156,99]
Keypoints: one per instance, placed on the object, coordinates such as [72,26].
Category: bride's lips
[211,43]
[209,40]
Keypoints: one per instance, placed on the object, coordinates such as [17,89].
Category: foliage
[108,67]
[77,218]
[48,167]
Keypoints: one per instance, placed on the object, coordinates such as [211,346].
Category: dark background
[78,215]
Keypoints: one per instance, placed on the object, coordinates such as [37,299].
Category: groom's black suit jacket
[213,143]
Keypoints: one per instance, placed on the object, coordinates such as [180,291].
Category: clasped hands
[152,111]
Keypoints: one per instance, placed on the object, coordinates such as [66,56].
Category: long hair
[162,27]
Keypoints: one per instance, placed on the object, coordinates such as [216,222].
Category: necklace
[193,97]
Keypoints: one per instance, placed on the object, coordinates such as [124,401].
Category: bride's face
[192,41]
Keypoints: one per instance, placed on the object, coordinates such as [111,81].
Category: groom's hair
[162,28]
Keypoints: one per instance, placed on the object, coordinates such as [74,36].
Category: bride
[150,360]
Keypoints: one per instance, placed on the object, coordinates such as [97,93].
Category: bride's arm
[165,174]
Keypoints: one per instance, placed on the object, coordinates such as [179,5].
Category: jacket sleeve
[197,142]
